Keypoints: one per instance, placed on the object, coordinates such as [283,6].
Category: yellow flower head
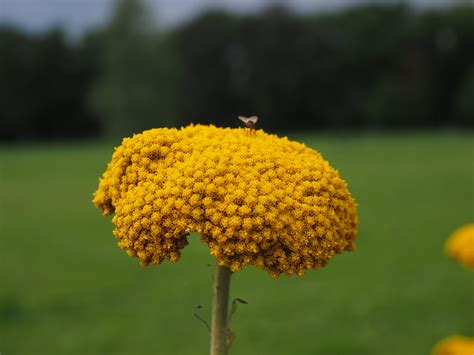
[460,245]
[254,199]
[455,345]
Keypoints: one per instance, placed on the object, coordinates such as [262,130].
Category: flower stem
[220,301]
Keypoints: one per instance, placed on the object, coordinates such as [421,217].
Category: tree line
[371,66]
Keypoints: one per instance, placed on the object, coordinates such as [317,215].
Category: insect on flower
[249,122]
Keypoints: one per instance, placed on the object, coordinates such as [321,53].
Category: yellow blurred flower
[455,345]
[255,199]
[460,245]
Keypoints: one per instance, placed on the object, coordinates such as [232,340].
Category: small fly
[249,122]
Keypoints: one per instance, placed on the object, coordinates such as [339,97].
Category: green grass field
[67,288]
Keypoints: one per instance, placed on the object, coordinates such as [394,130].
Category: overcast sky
[77,15]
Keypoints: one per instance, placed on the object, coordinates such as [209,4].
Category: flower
[460,245]
[455,345]
[254,199]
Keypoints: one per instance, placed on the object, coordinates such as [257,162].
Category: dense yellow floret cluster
[460,245]
[254,198]
[455,345]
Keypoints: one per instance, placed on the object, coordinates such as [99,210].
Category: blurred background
[96,68]
[383,89]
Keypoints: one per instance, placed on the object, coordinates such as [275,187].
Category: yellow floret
[455,345]
[460,245]
[255,199]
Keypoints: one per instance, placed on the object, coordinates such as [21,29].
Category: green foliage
[367,66]
[465,99]
[67,288]
[43,85]
[203,49]
[130,94]
[15,53]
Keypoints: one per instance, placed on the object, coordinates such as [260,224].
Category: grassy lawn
[67,288]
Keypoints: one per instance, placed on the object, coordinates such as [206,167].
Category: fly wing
[244,119]
[253,119]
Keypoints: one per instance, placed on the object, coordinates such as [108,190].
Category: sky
[76,16]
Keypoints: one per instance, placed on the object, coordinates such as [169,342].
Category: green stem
[220,302]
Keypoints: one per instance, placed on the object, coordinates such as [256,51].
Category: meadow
[67,288]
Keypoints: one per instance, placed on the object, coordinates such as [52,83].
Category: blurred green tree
[446,36]
[43,86]
[133,92]
[205,52]
[464,105]
[16,53]
[375,65]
